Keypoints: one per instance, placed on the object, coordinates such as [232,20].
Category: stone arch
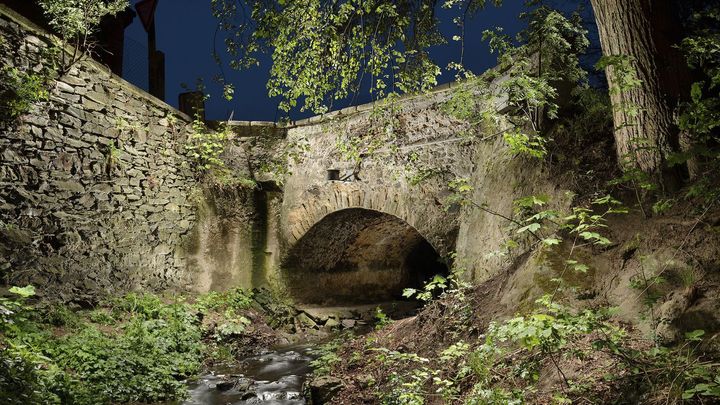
[422,212]
[358,255]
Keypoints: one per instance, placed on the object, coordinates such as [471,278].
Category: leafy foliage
[326,355]
[544,54]
[76,21]
[135,348]
[143,360]
[381,319]
[205,145]
[505,365]
[322,51]
[19,90]
[79,18]
[700,115]
[236,299]
[532,65]
[437,284]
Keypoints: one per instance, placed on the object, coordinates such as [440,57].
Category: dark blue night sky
[185,32]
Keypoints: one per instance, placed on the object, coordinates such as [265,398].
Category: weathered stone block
[72,81]
[69,121]
[64,87]
[76,143]
[39,120]
[75,112]
[100,98]
[91,105]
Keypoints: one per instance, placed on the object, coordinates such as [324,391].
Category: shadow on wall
[359,256]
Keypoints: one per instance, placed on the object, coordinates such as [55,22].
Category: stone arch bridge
[365,225]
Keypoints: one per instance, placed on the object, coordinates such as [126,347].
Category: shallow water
[275,377]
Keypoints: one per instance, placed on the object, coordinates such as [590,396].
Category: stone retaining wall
[95,190]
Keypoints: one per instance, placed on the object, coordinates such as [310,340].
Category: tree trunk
[646,31]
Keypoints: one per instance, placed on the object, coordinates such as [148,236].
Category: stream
[274,377]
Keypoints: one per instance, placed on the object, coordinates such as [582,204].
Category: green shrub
[381,319]
[205,146]
[146,305]
[236,298]
[143,359]
[136,348]
[27,377]
[145,362]
[19,90]
[326,356]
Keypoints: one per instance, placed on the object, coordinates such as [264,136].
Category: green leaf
[543,317]
[530,201]
[687,394]
[599,240]
[529,228]
[27,291]
[696,92]
[695,335]
[551,241]
[580,267]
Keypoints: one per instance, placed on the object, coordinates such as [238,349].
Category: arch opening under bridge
[359,256]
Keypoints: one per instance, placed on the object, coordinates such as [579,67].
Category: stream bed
[274,377]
